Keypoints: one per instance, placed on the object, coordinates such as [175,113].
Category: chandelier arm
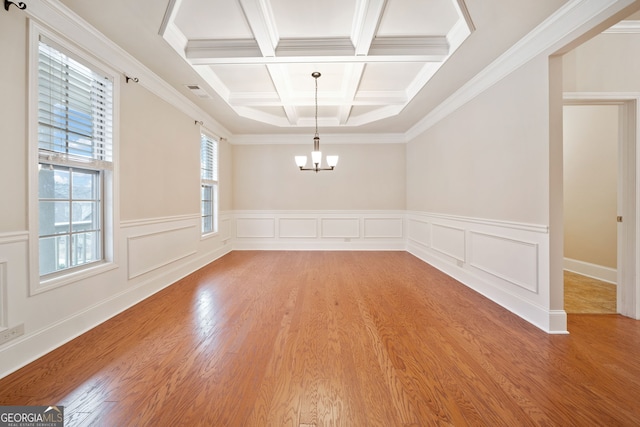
[315,169]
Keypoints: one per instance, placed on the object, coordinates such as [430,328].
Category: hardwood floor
[335,339]
[583,294]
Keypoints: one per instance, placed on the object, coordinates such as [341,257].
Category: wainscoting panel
[3,294]
[347,228]
[419,232]
[148,252]
[14,278]
[225,228]
[506,262]
[298,228]
[151,254]
[508,259]
[449,241]
[252,228]
[318,230]
[383,228]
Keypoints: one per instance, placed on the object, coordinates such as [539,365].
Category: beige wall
[13,123]
[368,176]
[489,159]
[159,157]
[225,176]
[158,166]
[606,63]
[159,145]
[590,183]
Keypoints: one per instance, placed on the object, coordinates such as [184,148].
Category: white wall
[606,63]
[489,158]
[590,184]
[478,190]
[367,177]
[478,186]
[606,68]
[13,161]
[158,238]
[489,161]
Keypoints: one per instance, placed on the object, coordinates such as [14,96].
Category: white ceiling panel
[261,53]
[391,77]
[244,78]
[313,19]
[417,17]
[212,19]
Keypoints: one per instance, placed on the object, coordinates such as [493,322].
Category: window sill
[72,277]
[209,235]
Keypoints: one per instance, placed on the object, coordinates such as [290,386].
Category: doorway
[591,138]
[622,125]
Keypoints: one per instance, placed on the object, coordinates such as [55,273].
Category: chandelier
[316,154]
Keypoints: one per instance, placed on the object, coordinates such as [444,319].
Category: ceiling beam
[194,59]
[365,24]
[282,83]
[231,51]
[260,18]
[271,99]
[315,47]
[230,48]
[351,82]
[426,45]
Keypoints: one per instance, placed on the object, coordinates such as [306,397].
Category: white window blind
[209,183]
[75,121]
[74,109]
[208,158]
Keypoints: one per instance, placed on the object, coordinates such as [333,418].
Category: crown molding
[569,22]
[624,27]
[307,139]
[55,15]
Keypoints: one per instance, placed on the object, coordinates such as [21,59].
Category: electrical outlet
[8,334]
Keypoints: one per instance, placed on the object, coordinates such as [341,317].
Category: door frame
[628,259]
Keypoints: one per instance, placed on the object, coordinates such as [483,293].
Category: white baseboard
[30,347]
[504,261]
[507,262]
[552,322]
[599,272]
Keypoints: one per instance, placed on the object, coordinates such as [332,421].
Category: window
[209,183]
[74,140]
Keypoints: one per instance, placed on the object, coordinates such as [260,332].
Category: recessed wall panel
[449,241]
[298,227]
[383,228]
[255,227]
[419,232]
[512,260]
[147,252]
[340,227]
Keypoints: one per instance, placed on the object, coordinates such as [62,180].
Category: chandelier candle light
[316,154]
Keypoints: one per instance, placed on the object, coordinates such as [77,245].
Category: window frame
[211,184]
[70,233]
[108,186]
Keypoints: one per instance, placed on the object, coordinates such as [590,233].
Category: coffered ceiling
[258,55]
[385,64]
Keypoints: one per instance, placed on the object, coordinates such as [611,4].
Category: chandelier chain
[316,79]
